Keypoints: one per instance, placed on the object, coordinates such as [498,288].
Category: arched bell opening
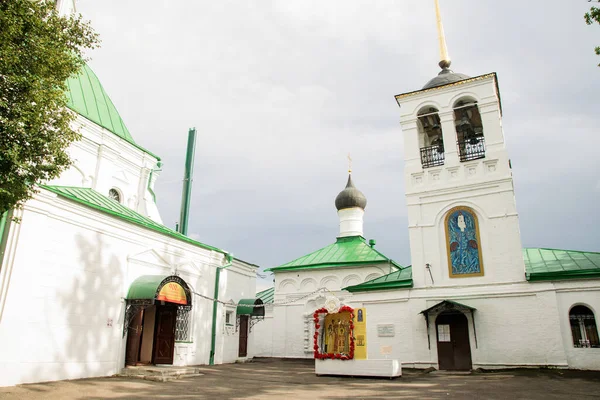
[158,310]
[469,130]
[431,141]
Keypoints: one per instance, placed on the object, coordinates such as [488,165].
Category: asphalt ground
[295,379]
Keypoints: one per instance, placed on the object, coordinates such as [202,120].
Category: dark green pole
[187,182]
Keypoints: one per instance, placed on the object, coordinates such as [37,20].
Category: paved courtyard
[295,379]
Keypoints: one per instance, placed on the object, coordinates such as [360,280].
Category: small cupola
[446,75]
[351,204]
[350,197]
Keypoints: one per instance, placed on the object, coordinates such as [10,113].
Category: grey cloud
[281,91]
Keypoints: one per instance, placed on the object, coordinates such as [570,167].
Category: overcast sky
[280,91]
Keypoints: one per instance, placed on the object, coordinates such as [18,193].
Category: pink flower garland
[338,356]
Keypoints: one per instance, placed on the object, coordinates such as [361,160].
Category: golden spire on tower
[444,57]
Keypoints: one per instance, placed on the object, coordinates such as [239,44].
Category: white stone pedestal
[381,368]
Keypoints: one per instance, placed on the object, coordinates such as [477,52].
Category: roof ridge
[347,250]
[137,218]
[553,249]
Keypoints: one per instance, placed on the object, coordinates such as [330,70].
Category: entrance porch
[155,304]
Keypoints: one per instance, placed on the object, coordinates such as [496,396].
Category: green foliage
[39,50]
[593,16]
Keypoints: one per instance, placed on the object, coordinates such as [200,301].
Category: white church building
[92,281]
[473,296]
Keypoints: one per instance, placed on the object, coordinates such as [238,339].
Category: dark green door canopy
[247,307]
[449,306]
[146,289]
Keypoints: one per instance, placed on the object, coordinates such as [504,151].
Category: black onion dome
[350,197]
[445,77]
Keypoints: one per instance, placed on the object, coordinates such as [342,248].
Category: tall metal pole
[187,182]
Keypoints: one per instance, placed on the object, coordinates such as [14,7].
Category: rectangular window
[229,318]
[183,324]
[443,333]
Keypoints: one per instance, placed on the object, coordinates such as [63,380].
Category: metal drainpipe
[152,171]
[187,182]
[213,338]
[4,228]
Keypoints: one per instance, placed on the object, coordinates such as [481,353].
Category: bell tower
[463,222]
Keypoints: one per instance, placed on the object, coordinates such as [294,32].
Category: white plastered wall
[517,325]
[103,161]
[485,185]
[63,281]
[570,294]
[237,282]
[287,331]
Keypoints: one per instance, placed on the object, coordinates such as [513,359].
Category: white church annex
[473,297]
[91,280]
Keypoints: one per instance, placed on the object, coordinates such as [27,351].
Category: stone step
[161,378]
[159,373]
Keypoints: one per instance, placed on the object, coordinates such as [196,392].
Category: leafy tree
[39,50]
[593,16]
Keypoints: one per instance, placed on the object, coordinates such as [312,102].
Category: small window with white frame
[583,327]
[229,318]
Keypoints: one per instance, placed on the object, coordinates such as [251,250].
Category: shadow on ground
[295,379]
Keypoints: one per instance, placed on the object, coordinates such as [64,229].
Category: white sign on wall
[385,330]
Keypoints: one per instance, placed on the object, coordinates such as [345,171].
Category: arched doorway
[249,312]
[454,349]
[154,303]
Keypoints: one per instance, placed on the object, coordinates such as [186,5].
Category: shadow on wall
[85,326]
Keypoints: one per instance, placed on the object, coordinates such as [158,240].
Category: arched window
[115,195]
[463,243]
[469,130]
[430,138]
[583,327]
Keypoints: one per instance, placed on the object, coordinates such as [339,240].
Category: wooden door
[164,335]
[243,351]
[134,338]
[454,350]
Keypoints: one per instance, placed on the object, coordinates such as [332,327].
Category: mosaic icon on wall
[463,243]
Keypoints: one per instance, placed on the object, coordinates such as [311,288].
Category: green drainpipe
[152,171]
[213,338]
[4,228]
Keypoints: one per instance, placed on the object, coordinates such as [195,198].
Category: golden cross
[349,164]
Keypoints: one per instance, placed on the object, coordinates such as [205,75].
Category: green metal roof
[267,295]
[346,251]
[554,264]
[91,198]
[145,287]
[246,307]
[87,97]
[396,280]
